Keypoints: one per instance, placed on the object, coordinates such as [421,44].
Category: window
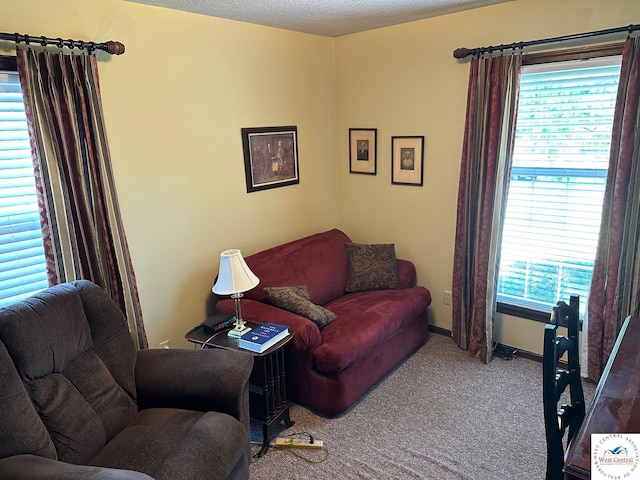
[558,176]
[22,263]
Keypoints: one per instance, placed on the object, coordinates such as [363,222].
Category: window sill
[522,312]
[528,313]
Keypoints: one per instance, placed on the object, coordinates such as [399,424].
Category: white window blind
[22,264]
[559,170]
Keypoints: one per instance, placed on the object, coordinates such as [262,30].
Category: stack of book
[263,337]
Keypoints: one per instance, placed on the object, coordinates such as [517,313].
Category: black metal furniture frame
[556,377]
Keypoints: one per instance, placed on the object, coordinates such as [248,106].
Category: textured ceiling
[329,18]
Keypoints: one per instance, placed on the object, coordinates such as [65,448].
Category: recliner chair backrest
[66,368]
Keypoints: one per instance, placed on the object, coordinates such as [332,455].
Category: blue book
[263,337]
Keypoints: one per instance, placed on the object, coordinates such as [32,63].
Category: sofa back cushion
[318,262]
[49,344]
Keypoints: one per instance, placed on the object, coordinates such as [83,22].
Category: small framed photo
[270,157]
[363,150]
[407,160]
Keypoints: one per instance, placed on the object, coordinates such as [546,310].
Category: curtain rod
[112,47]
[463,52]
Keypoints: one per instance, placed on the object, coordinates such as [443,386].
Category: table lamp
[234,278]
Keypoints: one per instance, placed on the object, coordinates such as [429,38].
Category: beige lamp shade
[234,275]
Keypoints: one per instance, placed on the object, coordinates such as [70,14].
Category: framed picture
[270,157]
[407,160]
[363,150]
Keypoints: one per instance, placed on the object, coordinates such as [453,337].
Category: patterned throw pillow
[296,300]
[371,267]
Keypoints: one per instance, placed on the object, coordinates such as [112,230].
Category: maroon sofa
[329,368]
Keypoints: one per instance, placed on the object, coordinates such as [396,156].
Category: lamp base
[238,330]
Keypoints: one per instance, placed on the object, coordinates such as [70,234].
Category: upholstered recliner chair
[77,401]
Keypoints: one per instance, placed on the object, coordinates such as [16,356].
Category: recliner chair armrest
[203,379]
[32,467]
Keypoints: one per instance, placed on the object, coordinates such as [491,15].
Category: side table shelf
[268,402]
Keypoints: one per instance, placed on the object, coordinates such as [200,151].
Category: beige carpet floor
[440,415]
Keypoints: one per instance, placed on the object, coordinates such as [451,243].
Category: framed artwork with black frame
[407,160]
[363,151]
[270,157]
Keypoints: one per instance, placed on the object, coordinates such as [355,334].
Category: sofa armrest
[407,276]
[307,334]
[32,467]
[204,379]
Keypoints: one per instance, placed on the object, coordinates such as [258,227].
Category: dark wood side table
[268,402]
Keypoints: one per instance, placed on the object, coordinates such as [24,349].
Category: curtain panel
[615,285]
[484,177]
[81,222]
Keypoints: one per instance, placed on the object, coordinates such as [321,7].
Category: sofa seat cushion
[169,443]
[365,319]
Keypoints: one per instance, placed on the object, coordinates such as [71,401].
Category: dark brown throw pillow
[371,267]
[296,300]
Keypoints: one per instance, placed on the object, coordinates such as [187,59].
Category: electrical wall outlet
[164,345]
[446,297]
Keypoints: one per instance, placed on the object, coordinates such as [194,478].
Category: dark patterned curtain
[484,178]
[80,217]
[615,285]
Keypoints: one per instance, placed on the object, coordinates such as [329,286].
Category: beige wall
[174,104]
[403,80]
[176,100]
